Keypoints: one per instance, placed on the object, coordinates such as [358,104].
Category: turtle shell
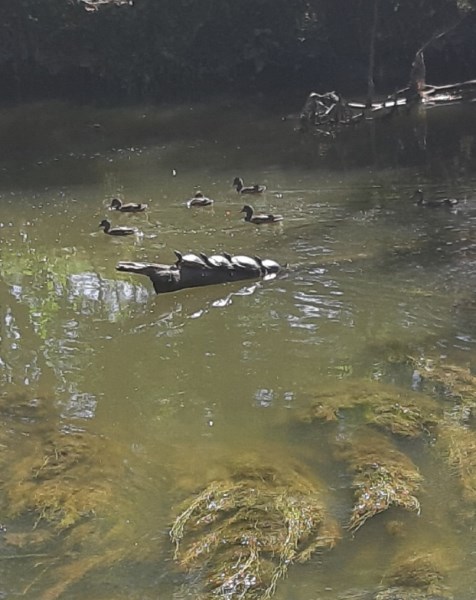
[190,260]
[270,266]
[217,260]
[246,263]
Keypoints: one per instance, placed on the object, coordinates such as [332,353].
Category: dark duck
[118,231]
[251,189]
[438,203]
[199,200]
[130,207]
[250,217]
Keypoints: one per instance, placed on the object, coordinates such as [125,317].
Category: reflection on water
[182,382]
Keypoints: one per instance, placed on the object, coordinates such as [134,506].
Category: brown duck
[119,231]
[252,189]
[439,203]
[199,200]
[116,204]
[250,217]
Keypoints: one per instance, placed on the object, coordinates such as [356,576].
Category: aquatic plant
[242,533]
[398,411]
[458,446]
[381,476]
[55,481]
[456,382]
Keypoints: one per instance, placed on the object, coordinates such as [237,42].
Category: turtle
[251,189]
[118,231]
[244,263]
[217,261]
[270,266]
[189,260]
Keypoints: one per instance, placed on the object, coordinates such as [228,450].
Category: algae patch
[381,476]
[240,534]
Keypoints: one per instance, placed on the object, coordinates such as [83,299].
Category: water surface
[184,381]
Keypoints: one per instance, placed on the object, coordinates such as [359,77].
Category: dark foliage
[154,49]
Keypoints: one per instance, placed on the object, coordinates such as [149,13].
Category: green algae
[64,479]
[457,444]
[398,411]
[242,533]
[382,476]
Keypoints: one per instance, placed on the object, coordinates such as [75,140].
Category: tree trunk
[370,75]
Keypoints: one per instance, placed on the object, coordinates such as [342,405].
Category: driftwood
[329,112]
[334,113]
[171,278]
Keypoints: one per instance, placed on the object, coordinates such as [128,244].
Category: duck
[199,200]
[250,217]
[119,231]
[252,189]
[440,203]
[117,204]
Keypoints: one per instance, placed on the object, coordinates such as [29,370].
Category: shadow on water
[318,426]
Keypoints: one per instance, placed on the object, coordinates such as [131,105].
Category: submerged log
[171,278]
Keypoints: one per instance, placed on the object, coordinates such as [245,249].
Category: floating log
[171,278]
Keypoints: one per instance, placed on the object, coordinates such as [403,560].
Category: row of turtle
[227,262]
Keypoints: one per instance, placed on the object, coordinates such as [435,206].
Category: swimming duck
[117,204]
[252,189]
[199,200]
[259,219]
[120,231]
[440,203]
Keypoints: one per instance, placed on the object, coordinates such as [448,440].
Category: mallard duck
[259,219]
[439,203]
[117,204]
[252,189]
[120,231]
[199,200]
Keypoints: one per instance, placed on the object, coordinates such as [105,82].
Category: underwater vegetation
[242,533]
[240,524]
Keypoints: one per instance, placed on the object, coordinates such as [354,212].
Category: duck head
[248,210]
[116,204]
[105,224]
[238,183]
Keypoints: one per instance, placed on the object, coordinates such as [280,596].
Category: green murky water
[180,383]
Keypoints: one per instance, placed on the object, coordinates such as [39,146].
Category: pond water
[183,383]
